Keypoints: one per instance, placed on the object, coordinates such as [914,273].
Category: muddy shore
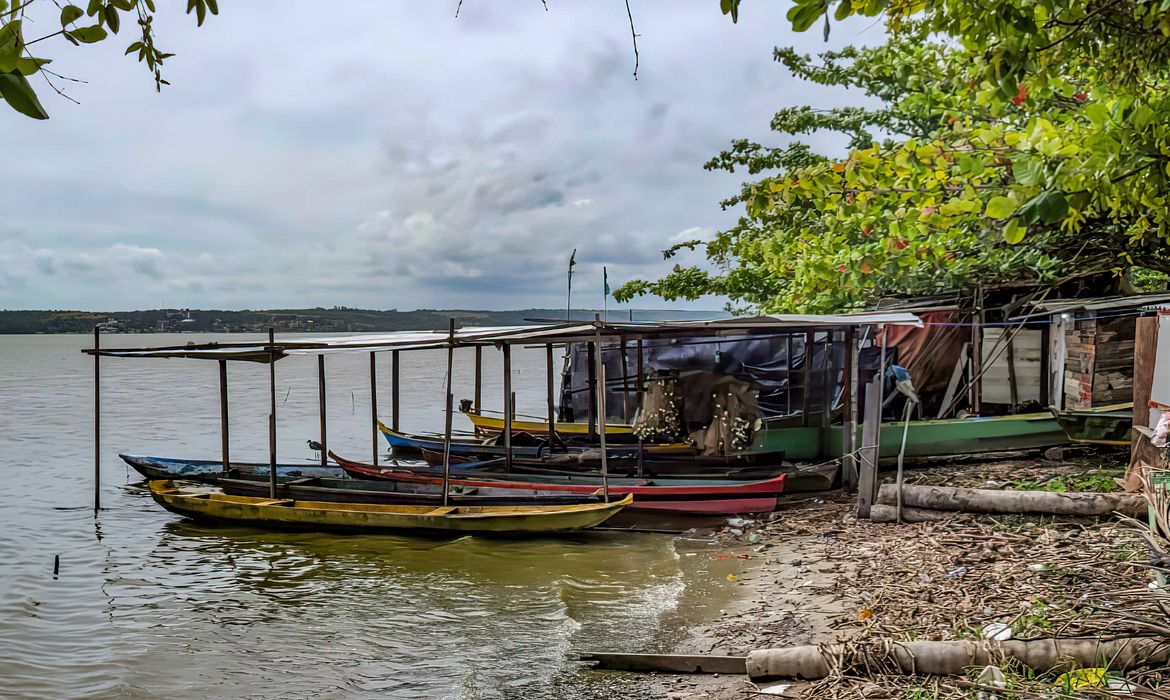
[812,574]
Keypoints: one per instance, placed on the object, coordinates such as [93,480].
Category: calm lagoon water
[147,605]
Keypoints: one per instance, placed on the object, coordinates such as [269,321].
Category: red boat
[676,495]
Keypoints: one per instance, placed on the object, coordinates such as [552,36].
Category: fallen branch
[952,658]
[998,501]
[882,513]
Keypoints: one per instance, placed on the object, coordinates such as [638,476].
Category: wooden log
[997,501]
[882,513]
[665,663]
[951,658]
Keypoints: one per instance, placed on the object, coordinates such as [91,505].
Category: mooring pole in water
[322,409]
[478,379]
[450,408]
[97,420]
[600,381]
[374,405]
[223,417]
[507,350]
[394,363]
[271,413]
[552,421]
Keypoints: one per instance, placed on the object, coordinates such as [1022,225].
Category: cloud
[409,159]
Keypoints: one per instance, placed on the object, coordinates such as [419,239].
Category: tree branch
[633,35]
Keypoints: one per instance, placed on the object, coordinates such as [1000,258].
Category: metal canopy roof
[1097,304]
[260,351]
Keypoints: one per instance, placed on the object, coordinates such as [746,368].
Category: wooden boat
[707,496]
[1104,425]
[696,467]
[491,425]
[287,513]
[401,493]
[210,471]
[524,444]
[927,438]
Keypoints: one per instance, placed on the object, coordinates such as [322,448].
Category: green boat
[927,438]
[1104,425]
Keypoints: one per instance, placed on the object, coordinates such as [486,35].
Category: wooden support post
[788,376]
[806,379]
[374,406]
[394,404]
[223,418]
[551,399]
[97,420]
[625,383]
[849,411]
[592,358]
[870,435]
[641,388]
[271,413]
[507,350]
[828,385]
[600,367]
[1045,364]
[478,379]
[322,410]
[450,409]
[977,355]
[1013,386]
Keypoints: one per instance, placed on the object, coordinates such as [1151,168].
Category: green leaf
[123,5]
[132,48]
[112,19]
[94,7]
[1014,232]
[70,14]
[28,66]
[1047,207]
[15,89]
[1000,208]
[11,46]
[88,35]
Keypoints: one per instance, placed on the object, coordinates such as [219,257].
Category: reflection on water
[148,605]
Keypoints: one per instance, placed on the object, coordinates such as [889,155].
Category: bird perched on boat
[314,445]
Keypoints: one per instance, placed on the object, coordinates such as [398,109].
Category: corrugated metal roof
[1095,304]
[260,351]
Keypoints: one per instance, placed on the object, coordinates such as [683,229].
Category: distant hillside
[319,320]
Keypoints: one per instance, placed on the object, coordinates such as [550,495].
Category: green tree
[22,57]
[1015,141]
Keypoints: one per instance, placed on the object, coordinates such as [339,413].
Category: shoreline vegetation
[337,319]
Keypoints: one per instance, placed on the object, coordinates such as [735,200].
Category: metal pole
[806,380]
[450,407]
[374,406]
[507,350]
[394,389]
[97,421]
[479,379]
[552,426]
[223,417]
[600,365]
[322,409]
[272,413]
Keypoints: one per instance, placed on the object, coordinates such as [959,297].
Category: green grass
[1097,483]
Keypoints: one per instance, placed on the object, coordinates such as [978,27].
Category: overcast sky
[388,154]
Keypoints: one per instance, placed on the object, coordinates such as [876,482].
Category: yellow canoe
[494,424]
[318,515]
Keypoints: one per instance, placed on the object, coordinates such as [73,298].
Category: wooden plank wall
[1026,358]
[1098,367]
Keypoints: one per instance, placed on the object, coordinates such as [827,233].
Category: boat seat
[445,510]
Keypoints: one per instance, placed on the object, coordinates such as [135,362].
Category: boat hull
[928,438]
[681,496]
[210,471]
[368,517]
[1107,425]
[399,493]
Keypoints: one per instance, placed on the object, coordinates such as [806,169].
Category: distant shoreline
[315,320]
